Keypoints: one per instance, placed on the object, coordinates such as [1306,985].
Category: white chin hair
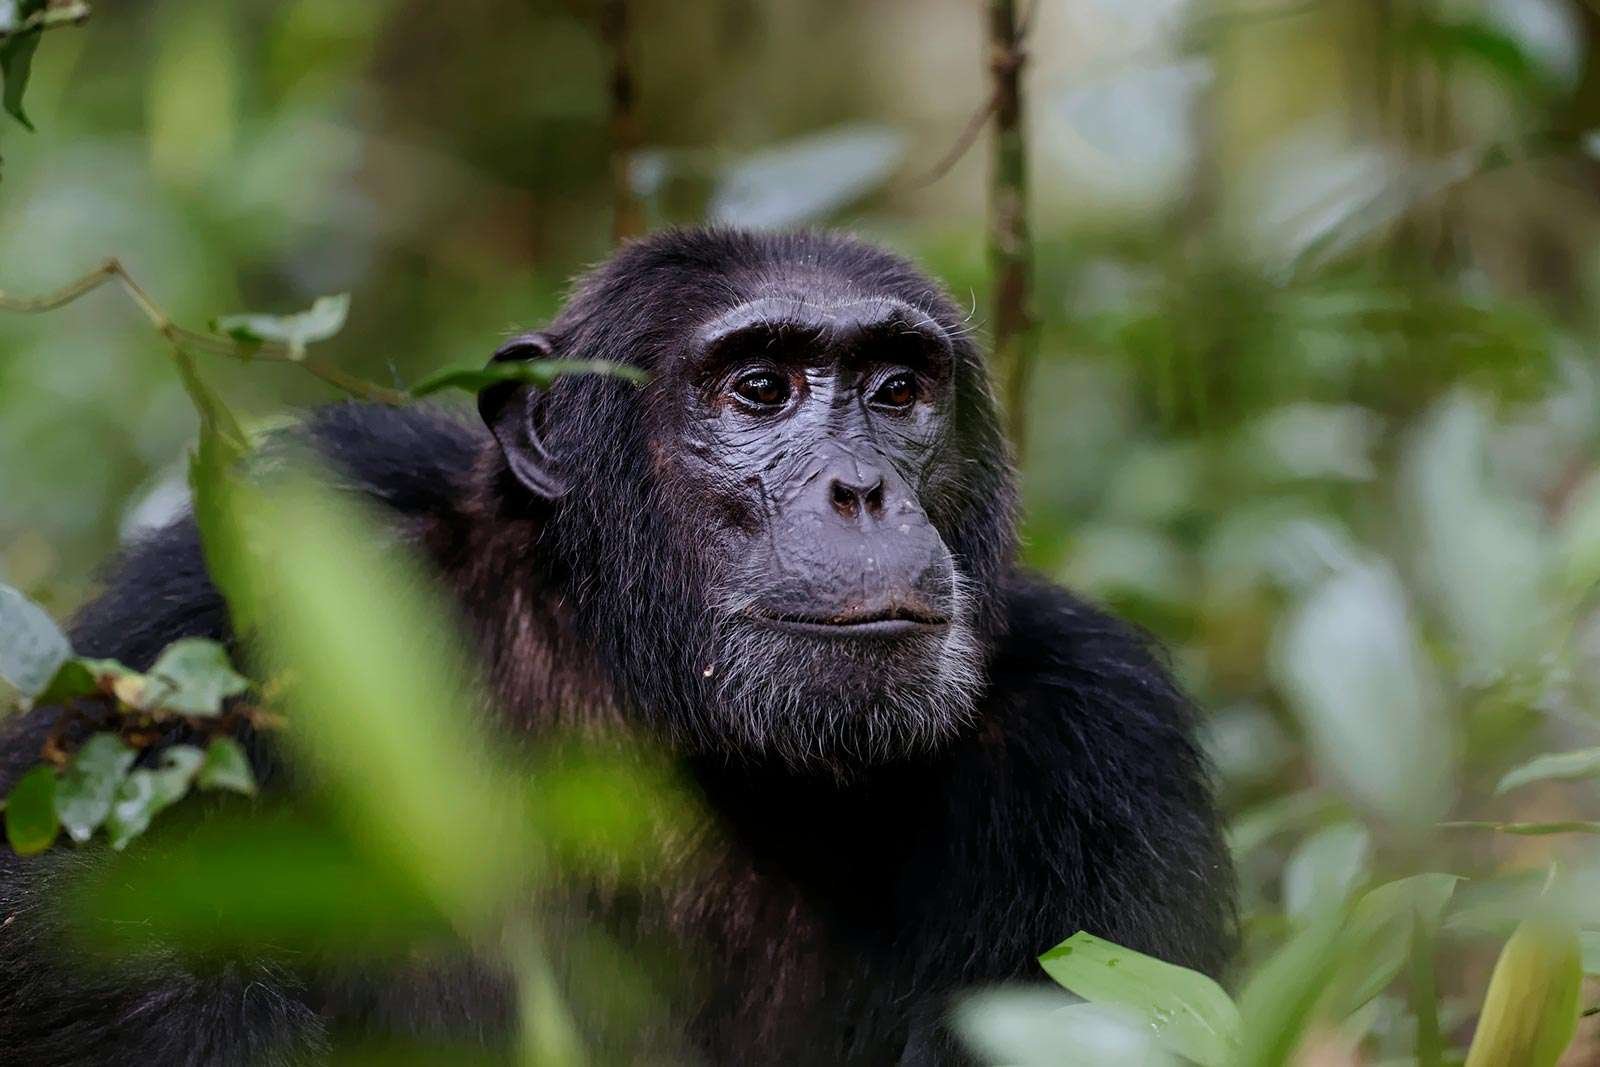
[824,703]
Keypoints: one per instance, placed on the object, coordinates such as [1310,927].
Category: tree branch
[184,338]
[1010,246]
[627,213]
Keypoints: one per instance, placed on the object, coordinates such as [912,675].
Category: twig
[50,18]
[184,338]
[975,123]
[963,142]
[627,218]
[1010,247]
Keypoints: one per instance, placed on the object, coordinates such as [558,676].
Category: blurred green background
[1317,398]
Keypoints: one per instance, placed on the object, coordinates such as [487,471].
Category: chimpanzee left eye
[897,391]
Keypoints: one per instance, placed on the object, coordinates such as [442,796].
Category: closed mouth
[890,622]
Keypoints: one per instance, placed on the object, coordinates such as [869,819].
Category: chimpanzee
[788,557]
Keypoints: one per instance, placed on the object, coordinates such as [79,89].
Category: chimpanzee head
[787,543]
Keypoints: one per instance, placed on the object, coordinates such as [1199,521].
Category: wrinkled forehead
[829,321]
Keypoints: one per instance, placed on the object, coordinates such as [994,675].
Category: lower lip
[881,628]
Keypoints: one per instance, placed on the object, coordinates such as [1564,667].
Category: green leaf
[84,793]
[1188,1012]
[1579,763]
[325,318]
[1283,992]
[31,812]
[211,480]
[80,677]
[32,647]
[536,372]
[16,63]
[193,676]
[383,697]
[235,883]
[227,767]
[144,793]
[1378,938]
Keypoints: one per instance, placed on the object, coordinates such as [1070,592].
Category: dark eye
[763,389]
[897,391]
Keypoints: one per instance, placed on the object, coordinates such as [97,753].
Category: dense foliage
[1317,401]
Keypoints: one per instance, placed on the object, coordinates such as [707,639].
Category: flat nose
[854,498]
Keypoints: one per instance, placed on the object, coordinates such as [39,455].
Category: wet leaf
[84,793]
[31,812]
[1188,1012]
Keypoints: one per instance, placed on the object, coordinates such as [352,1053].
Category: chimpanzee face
[785,518]
[811,430]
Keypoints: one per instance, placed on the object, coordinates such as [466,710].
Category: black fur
[837,911]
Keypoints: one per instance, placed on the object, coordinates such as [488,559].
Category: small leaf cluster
[100,786]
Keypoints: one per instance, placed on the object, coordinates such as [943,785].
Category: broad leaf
[1579,763]
[806,179]
[144,793]
[86,788]
[535,372]
[227,767]
[191,677]
[382,699]
[31,812]
[325,318]
[1531,1009]
[1359,680]
[1188,1012]
[239,883]
[32,647]
[1047,1028]
[1325,868]
[1378,937]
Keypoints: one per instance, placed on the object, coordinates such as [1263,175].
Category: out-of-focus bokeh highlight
[1318,286]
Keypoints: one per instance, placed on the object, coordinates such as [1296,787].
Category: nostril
[845,501]
[875,499]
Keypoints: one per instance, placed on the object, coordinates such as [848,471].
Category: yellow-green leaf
[1531,1009]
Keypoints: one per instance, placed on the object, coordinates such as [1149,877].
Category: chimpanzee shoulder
[1084,706]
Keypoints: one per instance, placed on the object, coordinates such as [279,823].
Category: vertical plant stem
[1010,248]
[1425,996]
[627,214]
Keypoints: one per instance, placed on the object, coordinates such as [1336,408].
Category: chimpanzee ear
[515,412]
